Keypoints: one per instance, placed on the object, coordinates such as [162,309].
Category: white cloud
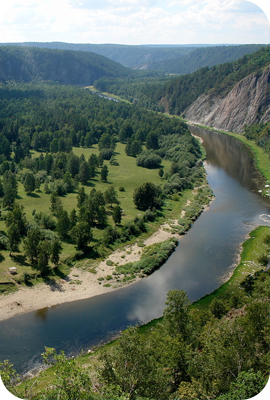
[133,21]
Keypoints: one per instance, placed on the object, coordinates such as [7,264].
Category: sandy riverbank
[79,284]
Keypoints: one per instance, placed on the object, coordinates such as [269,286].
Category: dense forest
[176,94]
[204,57]
[63,66]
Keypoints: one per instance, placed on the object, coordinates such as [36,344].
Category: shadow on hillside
[34,195]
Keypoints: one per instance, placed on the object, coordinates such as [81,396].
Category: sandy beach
[79,284]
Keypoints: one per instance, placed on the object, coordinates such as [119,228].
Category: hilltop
[63,66]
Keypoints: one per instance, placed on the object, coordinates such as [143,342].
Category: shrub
[148,160]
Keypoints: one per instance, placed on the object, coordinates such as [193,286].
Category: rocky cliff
[247,103]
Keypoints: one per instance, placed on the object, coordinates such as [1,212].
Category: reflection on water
[231,155]
[201,259]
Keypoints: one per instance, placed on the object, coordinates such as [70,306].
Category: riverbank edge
[258,233]
[262,162]
[42,295]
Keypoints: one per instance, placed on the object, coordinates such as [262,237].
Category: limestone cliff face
[247,103]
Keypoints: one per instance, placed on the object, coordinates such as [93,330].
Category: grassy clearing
[126,175]
[112,96]
[254,249]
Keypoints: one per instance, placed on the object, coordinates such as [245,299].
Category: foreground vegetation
[216,348]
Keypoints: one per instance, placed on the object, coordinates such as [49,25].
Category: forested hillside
[177,59]
[131,56]
[69,67]
[198,95]
[204,57]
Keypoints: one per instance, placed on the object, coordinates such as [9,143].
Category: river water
[206,254]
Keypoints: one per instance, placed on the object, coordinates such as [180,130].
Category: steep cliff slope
[247,103]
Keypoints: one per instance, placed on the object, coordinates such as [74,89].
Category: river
[206,254]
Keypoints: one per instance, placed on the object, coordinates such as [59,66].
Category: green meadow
[126,175]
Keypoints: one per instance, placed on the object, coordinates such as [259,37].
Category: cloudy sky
[135,21]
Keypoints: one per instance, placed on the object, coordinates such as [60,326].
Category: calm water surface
[204,256]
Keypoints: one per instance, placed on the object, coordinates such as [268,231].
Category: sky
[135,21]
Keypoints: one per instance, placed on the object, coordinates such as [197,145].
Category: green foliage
[133,368]
[247,385]
[260,133]
[29,183]
[117,215]
[147,196]
[204,57]
[82,235]
[148,159]
[70,380]
[152,258]
[104,173]
[58,65]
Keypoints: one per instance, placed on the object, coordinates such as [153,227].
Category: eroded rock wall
[247,103]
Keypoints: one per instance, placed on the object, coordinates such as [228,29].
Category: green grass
[127,174]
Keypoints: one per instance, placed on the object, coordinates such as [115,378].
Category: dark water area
[206,254]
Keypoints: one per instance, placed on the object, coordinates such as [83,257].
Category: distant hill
[204,57]
[176,59]
[63,66]
[139,57]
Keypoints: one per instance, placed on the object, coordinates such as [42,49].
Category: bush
[148,160]
[152,258]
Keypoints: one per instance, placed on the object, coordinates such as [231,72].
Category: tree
[14,237]
[63,224]
[104,173]
[31,243]
[17,216]
[73,164]
[161,172]
[56,249]
[10,187]
[176,313]
[43,257]
[29,183]
[151,141]
[84,173]
[110,195]
[147,196]
[133,367]
[104,141]
[117,215]
[247,385]
[70,382]
[82,235]
[56,204]
[81,196]
[73,218]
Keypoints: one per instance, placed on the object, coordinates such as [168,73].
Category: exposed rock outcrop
[247,103]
